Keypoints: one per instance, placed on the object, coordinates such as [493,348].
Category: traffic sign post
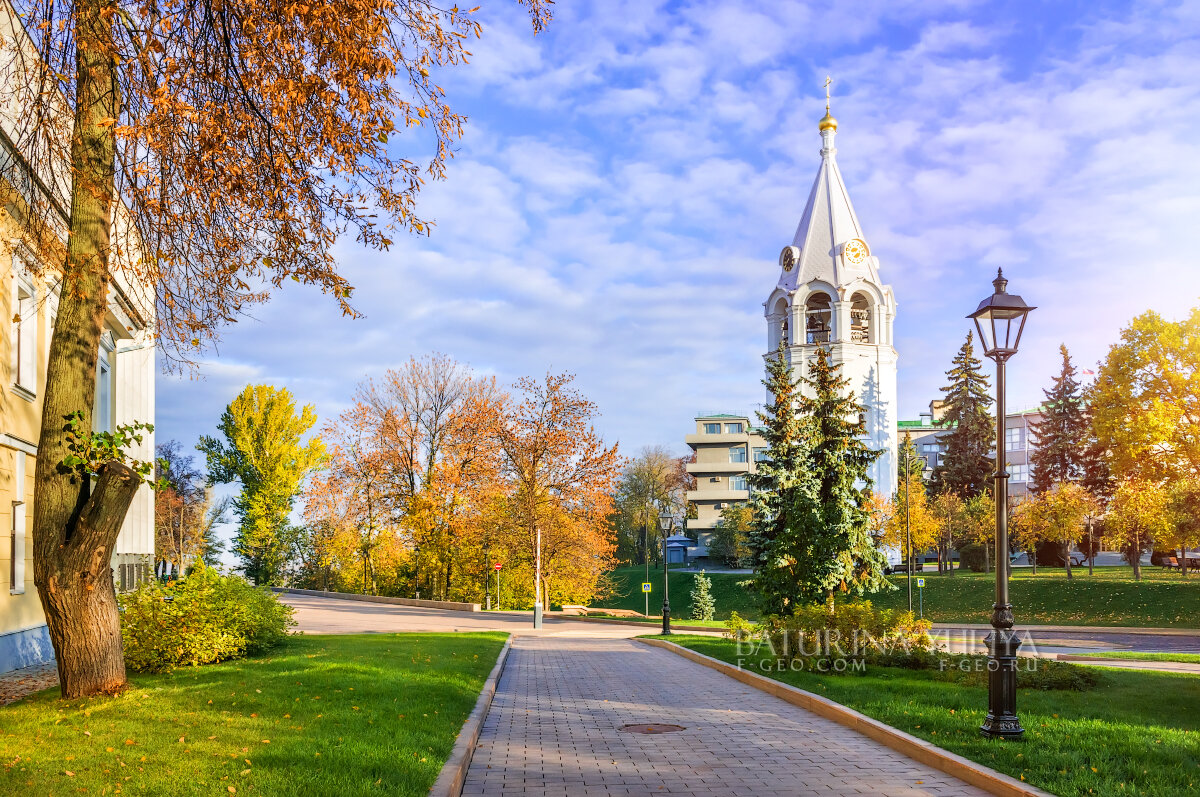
[646,591]
[497,567]
[921,595]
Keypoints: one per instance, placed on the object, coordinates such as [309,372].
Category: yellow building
[124,385]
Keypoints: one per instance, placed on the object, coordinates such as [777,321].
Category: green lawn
[1110,597]
[1183,658]
[346,715]
[1136,733]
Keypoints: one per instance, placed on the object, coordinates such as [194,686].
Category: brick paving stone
[554,731]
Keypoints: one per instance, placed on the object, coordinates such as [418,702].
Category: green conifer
[1062,432]
[704,607]
[966,469]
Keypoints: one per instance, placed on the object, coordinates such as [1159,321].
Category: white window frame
[19,530]
[745,483]
[1018,473]
[24,336]
[735,452]
[1013,439]
[760,454]
[709,427]
[734,428]
[102,413]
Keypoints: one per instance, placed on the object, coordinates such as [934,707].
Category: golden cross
[828,80]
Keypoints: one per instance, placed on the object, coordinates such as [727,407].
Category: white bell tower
[829,294]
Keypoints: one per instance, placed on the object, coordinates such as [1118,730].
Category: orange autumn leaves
[435,472]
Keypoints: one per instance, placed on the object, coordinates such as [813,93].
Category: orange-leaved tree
[561,476]
[208,150]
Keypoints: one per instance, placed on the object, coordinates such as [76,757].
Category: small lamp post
[1000,320]
[665,521]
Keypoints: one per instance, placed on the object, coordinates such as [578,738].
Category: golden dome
[828,122]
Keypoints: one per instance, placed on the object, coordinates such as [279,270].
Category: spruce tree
[833,538]
[775,485]
[1062,432]
[967,468]
[916,463]
[704,607]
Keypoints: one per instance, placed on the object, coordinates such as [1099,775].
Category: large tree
[1145,404]
[652,482]
[775,485]
[824,544]
[209,151]
[1061,434]
[967,467]
[560,475]
[263,448]
[186,513]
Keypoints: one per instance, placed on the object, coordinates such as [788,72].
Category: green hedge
[204,618]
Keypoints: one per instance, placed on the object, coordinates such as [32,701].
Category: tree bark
[77,590]
[74,531]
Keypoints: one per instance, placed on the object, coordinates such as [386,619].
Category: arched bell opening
[818,314]
[861,322]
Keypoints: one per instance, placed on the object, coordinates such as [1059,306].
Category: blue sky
[629,177]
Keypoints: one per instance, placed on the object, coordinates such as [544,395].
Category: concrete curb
[1075,629]
[350,596]
[450,780]
[919,750]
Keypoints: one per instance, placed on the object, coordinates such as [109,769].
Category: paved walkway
[554,729]
[16,684]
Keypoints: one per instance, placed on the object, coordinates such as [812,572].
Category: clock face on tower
[788,257]
[855,251]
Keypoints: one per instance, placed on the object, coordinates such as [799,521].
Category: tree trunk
[986,564]
[74,532]
[1137,558]
[1183,561]
[1069,561]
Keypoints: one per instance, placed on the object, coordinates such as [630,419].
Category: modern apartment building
[1019,440]
[124,379]
[726,448]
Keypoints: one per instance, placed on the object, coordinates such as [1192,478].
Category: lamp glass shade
[664,522]
[1000,320]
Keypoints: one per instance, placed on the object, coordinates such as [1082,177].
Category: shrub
[855,629]
[971,557]
[703,604]
[205,618]
[738,628]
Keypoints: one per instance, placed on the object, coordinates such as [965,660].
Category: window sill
[24,392]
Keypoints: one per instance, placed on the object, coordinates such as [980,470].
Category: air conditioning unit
[722,505]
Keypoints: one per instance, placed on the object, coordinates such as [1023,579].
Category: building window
[760,454]
[16,569]
[712,428]
[1018,473]
[24,336]
[733,428]
[102,405]
[737,483]
[737,454]
[930,448]
[1012,439]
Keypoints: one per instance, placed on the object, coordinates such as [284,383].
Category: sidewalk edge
[917,749]
[450,780]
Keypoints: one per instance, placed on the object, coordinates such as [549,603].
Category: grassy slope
[1135,733]
[1183,658]
[1110,597]
[345,715]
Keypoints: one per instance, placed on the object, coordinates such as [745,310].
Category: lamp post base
[666,629]
[537,615]
[1002,721]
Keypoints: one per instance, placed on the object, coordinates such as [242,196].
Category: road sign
[497,566]
[920,582]
[645,586]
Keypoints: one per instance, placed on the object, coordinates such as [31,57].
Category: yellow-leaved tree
[1138,515]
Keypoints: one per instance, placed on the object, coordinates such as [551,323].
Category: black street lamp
[664,522]
[1000,319]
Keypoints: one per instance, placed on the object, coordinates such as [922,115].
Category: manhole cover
[652,727]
